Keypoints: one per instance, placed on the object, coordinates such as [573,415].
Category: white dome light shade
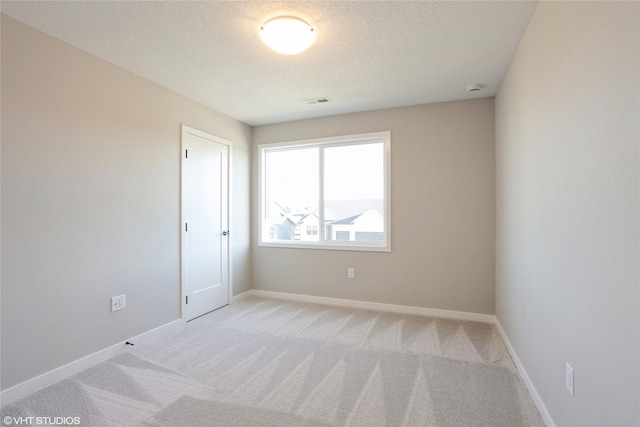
[287,35]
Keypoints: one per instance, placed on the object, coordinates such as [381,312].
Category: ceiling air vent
[322,100]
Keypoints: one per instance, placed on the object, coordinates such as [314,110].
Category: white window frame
[373,137]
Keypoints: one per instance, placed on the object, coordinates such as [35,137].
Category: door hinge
[186,227]
[187,299]
[186,154]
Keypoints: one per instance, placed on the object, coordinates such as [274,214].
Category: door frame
[185,130]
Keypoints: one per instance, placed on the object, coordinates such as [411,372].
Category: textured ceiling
[368,54]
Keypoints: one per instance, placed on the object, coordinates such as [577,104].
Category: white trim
[241,296]
[383,137]
[366,305]
[544,413]
[230,218]
[34,384]
[189,130]
[338,246]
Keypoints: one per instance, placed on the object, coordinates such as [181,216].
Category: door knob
[225,233]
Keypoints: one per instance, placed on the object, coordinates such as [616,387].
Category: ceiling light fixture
[287,35]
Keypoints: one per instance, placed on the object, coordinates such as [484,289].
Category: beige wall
[443,213]
[567,140]
[91,201]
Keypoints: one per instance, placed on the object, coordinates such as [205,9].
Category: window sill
[319,246]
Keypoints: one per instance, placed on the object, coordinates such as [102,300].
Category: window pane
[292,195]
[354,193]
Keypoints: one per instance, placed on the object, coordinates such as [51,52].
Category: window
[329,193]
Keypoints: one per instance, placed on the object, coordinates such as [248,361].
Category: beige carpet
[263,362]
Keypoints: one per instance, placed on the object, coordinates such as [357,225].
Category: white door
[205,242]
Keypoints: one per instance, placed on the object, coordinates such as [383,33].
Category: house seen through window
[330,193]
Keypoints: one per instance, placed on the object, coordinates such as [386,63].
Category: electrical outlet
[119,302]
[351,273]
[568,379]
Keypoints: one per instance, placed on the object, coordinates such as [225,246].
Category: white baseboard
[34,384]
[366,305]
[544,413]
[241,296]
